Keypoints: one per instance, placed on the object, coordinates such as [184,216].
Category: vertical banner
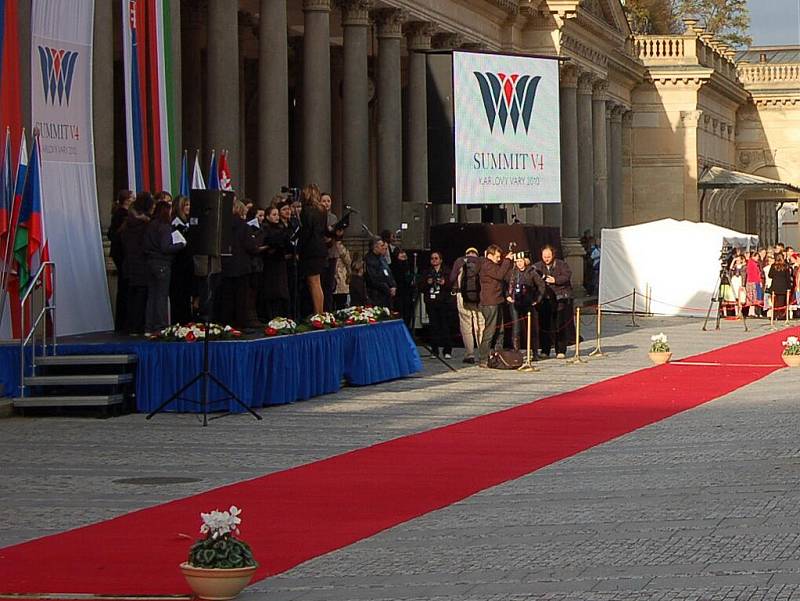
[149,96]
[61,99]
[506,122]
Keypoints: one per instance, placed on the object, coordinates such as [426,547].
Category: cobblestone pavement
[703,505]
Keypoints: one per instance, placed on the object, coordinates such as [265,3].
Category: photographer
[435,290]
[465,280]
[381,287]
[494,268]
[526,288]
[555,310]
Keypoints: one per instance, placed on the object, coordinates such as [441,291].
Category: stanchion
[528,364]
[633,323]
[786,310]
[577,358]
[598,352]
[772,311]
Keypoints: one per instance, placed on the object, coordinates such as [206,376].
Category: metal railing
[47,312]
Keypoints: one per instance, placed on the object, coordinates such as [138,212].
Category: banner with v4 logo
[506,128]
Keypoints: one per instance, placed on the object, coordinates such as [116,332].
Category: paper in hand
[177,238]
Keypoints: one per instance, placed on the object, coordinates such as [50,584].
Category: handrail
[48,309]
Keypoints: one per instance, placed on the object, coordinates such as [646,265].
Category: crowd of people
[764,282]
[286,260]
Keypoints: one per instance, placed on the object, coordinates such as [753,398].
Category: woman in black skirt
[312,247]
[181,284]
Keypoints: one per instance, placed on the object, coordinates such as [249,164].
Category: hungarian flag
[224,172]
[198,183]
[30,240]
[6,203]
[184,176]
[213,174]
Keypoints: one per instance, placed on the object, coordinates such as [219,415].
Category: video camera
[292,194]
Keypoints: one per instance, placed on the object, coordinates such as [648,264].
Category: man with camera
[494,268]
[465,281]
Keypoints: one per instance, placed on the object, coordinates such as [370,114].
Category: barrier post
[577,358]
[528,364]
[598,352]
[786,311]
[633,323]
[772,311]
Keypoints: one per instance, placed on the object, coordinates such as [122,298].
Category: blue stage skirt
[266,371]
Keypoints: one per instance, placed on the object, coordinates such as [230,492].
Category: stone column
[317,93]
[103,118]
[569,156]
[419,40]
[390,138]
[355,112]
[585,153]
[223,82]
[192,96]
[626,194]
[273,99]
[615,171]
[600,158]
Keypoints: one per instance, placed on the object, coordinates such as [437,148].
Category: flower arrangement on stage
[280,326]
[219,548]
[659,343]
[322,321]
[791,346]
[195,331]
[361,315]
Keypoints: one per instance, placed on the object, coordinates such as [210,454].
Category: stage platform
[260,371]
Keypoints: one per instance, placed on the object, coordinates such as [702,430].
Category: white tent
[673,263]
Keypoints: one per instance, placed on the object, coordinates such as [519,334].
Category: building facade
[334,92]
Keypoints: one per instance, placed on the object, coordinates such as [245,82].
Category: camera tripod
[722,280]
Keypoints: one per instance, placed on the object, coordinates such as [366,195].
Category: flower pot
[659,358]
[217,584]
[791,360]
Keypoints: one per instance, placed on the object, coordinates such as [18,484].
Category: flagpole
[5,274]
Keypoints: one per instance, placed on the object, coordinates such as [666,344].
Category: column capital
[616,113]
[627,117]
[419,34]
[389,22]
[445,40]
[569,76]
[600,90]
[586,83]
[317,6]
[355,12]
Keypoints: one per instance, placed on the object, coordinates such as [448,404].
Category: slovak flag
[224,172]
[30,241]
[198,183]
[6,201]
[213,174]
[184,176]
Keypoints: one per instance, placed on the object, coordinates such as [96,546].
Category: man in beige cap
[466,286]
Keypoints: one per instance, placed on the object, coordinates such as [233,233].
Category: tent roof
[719,178]
[672,225]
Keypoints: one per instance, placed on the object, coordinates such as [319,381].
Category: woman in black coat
[435,288]
[782,282]
[118,218]
[134,265]
[160,251]
[274,299]
[236,269]
[181,285]
[312,244]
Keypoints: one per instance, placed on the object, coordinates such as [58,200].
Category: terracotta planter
[791,360]
[659,358]
[217,584]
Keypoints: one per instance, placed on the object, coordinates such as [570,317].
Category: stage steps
[88,382]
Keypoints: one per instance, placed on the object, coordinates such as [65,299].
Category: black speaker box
[210,218]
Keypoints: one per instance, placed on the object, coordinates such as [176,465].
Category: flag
[184,176]
[10,91]
[30,240]
[213,174]
[6,201]
[198,183]
[150,95]
[224,172]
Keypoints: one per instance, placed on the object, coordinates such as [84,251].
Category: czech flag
[213,174]
[30,240]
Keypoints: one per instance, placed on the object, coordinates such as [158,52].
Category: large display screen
[507,143]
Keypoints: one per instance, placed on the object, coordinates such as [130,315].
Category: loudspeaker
[441,153]
[416,215]
[210,219]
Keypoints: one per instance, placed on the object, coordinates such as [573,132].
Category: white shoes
[561,356]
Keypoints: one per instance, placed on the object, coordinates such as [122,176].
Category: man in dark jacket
[493,271]
[135,262]
[381,286]
[465,281]
[556,308]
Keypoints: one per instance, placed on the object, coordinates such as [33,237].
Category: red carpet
[301,513]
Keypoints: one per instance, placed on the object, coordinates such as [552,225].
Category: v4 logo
[507,97]
[58,69]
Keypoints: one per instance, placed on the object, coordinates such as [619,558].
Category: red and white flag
[224,172]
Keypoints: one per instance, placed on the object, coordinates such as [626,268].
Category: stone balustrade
[769,73]
[686,49]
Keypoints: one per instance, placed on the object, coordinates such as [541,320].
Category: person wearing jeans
[470,319]
[493,271]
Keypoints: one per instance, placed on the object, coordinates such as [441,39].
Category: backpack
[470,282]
